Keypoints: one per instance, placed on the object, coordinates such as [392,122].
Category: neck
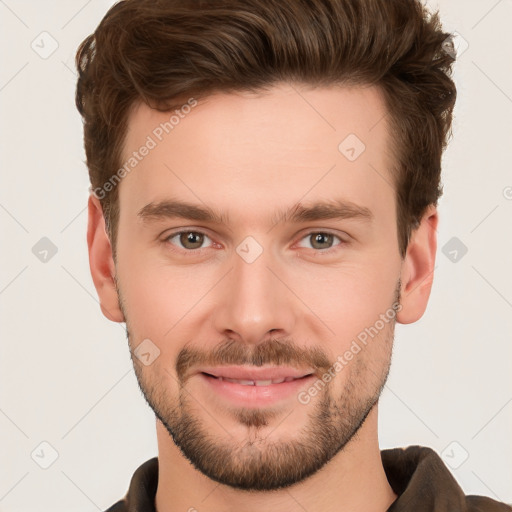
[342,484]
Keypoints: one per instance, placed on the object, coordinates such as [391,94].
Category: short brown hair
[159,51]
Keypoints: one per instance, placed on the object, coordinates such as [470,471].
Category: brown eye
[191,240]
[188,240]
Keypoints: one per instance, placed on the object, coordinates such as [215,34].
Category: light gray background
[66,374]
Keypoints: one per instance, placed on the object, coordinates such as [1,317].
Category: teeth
[263,382]
[267,382]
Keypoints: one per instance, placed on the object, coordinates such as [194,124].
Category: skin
[244,156]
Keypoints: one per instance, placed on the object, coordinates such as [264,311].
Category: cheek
[159,296]
[349,298]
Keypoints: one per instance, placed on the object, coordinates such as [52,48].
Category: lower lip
[256,395]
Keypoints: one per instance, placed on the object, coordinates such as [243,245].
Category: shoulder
[120,506]
[141,491]
[484,504]
[422,482]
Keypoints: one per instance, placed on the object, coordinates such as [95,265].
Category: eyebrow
[337,209]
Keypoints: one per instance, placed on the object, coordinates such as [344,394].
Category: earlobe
[101,261]
[417,273]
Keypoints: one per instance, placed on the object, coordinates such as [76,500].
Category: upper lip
[255,373]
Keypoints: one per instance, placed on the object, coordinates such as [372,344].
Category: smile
[266,382]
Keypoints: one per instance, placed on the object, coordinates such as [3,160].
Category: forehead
[246,152]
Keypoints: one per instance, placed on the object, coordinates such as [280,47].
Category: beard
[256,463]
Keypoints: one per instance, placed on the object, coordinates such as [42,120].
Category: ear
[417,273]
[101,261]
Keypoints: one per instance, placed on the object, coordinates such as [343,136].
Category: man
[264,181]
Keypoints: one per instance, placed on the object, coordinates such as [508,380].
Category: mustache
[271,352]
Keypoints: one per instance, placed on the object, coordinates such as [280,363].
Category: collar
[417,475]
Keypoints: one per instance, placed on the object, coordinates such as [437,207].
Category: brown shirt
[416,474]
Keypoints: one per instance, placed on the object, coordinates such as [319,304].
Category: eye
[320,240]
[189,240]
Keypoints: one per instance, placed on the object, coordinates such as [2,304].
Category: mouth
[260,382]
[256,375]
[254,386]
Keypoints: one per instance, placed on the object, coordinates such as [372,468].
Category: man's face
[257,294]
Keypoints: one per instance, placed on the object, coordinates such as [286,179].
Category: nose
[253,302]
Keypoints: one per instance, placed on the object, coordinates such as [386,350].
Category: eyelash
[196,252]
